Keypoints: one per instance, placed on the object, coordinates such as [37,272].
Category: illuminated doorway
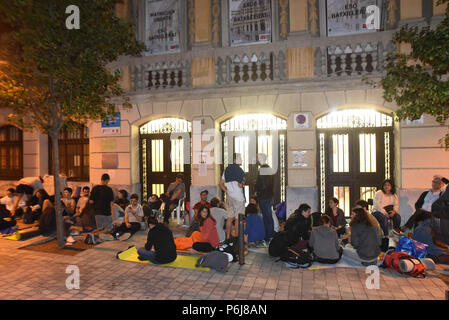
[355,154]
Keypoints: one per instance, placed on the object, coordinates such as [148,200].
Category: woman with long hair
[338,221]
[363,245]
[386,207]
[209,235]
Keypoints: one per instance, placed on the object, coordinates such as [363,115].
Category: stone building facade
[301,71]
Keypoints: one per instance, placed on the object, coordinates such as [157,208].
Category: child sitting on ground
[254,229]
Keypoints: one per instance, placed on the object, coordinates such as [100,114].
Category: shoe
[398,232]
[68,244]
[125,236]
[106,237]
[70,239]
[75,232]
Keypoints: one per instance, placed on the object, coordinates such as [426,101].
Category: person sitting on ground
[119,206]
[47,221]
[203,202]
[253,200]
[209,235]
[133,220]
[220,216]
[423,233]
[363,244]
[102,198]
[68,203]
[298,226]
[386,207]
[82,201]
[26,188]
[7,203]
[154,202]
[161,238]
[424,204]
[363,204]
[324,242]
[33,208]
[175,192]
[338,221]
[255,228]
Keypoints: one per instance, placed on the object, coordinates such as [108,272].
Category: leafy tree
[418,81]
[52,76]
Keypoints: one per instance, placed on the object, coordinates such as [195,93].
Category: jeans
[103,222]
[267,214]
[383,221]
[148,255]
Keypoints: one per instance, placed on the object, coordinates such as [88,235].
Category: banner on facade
[346,17]
[249,21]
[162,26]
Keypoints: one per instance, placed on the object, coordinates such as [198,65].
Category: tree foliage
[419,81]
[52,76]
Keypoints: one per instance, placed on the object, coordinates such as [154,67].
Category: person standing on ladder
[264,192]
[232,183]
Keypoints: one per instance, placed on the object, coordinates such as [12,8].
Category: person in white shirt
[7,203]
[26,188]
[386,207]
[232,183]
[133,220]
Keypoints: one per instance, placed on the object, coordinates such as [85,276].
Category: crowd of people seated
[326,235]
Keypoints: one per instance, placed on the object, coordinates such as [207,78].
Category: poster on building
[298,158]
[346,17]
[249,21]
[162,26]
[111,127]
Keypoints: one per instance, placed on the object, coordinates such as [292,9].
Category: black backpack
[440,218]
[279,244]
[297,258]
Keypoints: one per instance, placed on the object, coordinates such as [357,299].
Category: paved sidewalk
[34,275]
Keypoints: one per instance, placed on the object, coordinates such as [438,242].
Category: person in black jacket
[161,238]
[299,224]
[264,191]
[425,200]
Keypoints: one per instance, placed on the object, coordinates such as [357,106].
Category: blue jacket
[254,228]
[423,234]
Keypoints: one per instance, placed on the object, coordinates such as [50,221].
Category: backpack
[281,210]
[278,244]
[440,218]
[392,259]
[216,260]
[230,249]
[297,258]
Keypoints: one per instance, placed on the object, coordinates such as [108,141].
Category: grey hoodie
[324,241]
[364,240]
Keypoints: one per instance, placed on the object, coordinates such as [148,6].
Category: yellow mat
[15,236]
[185,262]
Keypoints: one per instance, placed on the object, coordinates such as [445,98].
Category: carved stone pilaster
[313,16]
[392,8]
[283,19]
[216,10]
[191,15]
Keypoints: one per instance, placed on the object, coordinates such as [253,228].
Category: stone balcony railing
[333,58]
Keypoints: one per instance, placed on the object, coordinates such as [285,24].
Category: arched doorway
[255,133]
[11,153]
[355,154]
[164,153]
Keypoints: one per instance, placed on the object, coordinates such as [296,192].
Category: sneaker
[106,237]
[398,232]
[70,239]
[75,232]
[125,236]
[68,244]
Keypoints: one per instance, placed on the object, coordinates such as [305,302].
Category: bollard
[241,239]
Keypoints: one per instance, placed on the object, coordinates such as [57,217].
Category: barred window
[11,155]
[73,153]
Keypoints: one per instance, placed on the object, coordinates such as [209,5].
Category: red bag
[392,259]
